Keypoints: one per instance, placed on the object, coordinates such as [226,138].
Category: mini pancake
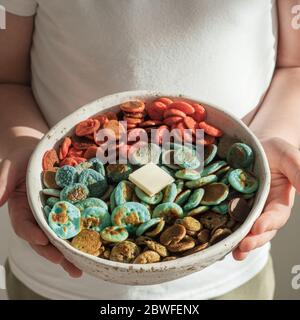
[188,174]
[183,197]
[190,223]
[170,193]
[123,192]
[183,106]
[49,179]
[201,182]
[243,181]
[197,211]
[219,234]
[95,182]
[214,194]
[142,153]
[74,193]
[211,220]
[170,211]
[196,249]
[157,247]
[114,234]
[203,236]
[95,218]
[148,256]
[91,202]
[185,244]
[175,233]
[51,192]
[194,199]
[50,159]
[125,251]
[66,176]
[144,197]
[118,172]
[186,158]
[210,152]
[133,106]
[130,215]
[87,241]
[240,155]
[213,167]
[64,220]
[179,185]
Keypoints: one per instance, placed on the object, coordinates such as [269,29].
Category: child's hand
[284,161]
[13,190]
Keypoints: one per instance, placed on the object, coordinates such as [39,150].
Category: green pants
[261,287]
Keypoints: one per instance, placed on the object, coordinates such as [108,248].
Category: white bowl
[136,274]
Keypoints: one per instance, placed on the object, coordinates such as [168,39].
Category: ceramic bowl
[136,274]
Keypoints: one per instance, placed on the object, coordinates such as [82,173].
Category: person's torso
[220,51]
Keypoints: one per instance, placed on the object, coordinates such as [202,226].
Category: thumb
[8,180]
[290,165]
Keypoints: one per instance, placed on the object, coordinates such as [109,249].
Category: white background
[285,251]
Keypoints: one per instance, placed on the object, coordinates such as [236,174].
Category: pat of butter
[151,178]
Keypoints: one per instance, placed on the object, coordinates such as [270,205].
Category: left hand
[284,161]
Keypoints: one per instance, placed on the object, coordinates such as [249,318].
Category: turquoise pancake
[243,181]
[124,192]
[130,215]
[170,193]
[64,220]
[95,182]
[66,176]
[91,202]
[194,199]
[74,193]
[170,211]
[95,218]
[150,200]
[114,234]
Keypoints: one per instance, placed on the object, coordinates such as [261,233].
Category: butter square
[151,178]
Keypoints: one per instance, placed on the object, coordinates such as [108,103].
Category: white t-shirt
[221,51]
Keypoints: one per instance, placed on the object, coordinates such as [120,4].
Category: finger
[71,269]
[49,252]
[290,165]
[252,242]
[239,255]
[25,226]
[271,220]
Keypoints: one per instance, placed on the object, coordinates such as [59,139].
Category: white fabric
[221,51]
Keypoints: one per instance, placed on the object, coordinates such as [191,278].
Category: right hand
[13,191]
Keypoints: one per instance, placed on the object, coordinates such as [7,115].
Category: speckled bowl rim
[215,249]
